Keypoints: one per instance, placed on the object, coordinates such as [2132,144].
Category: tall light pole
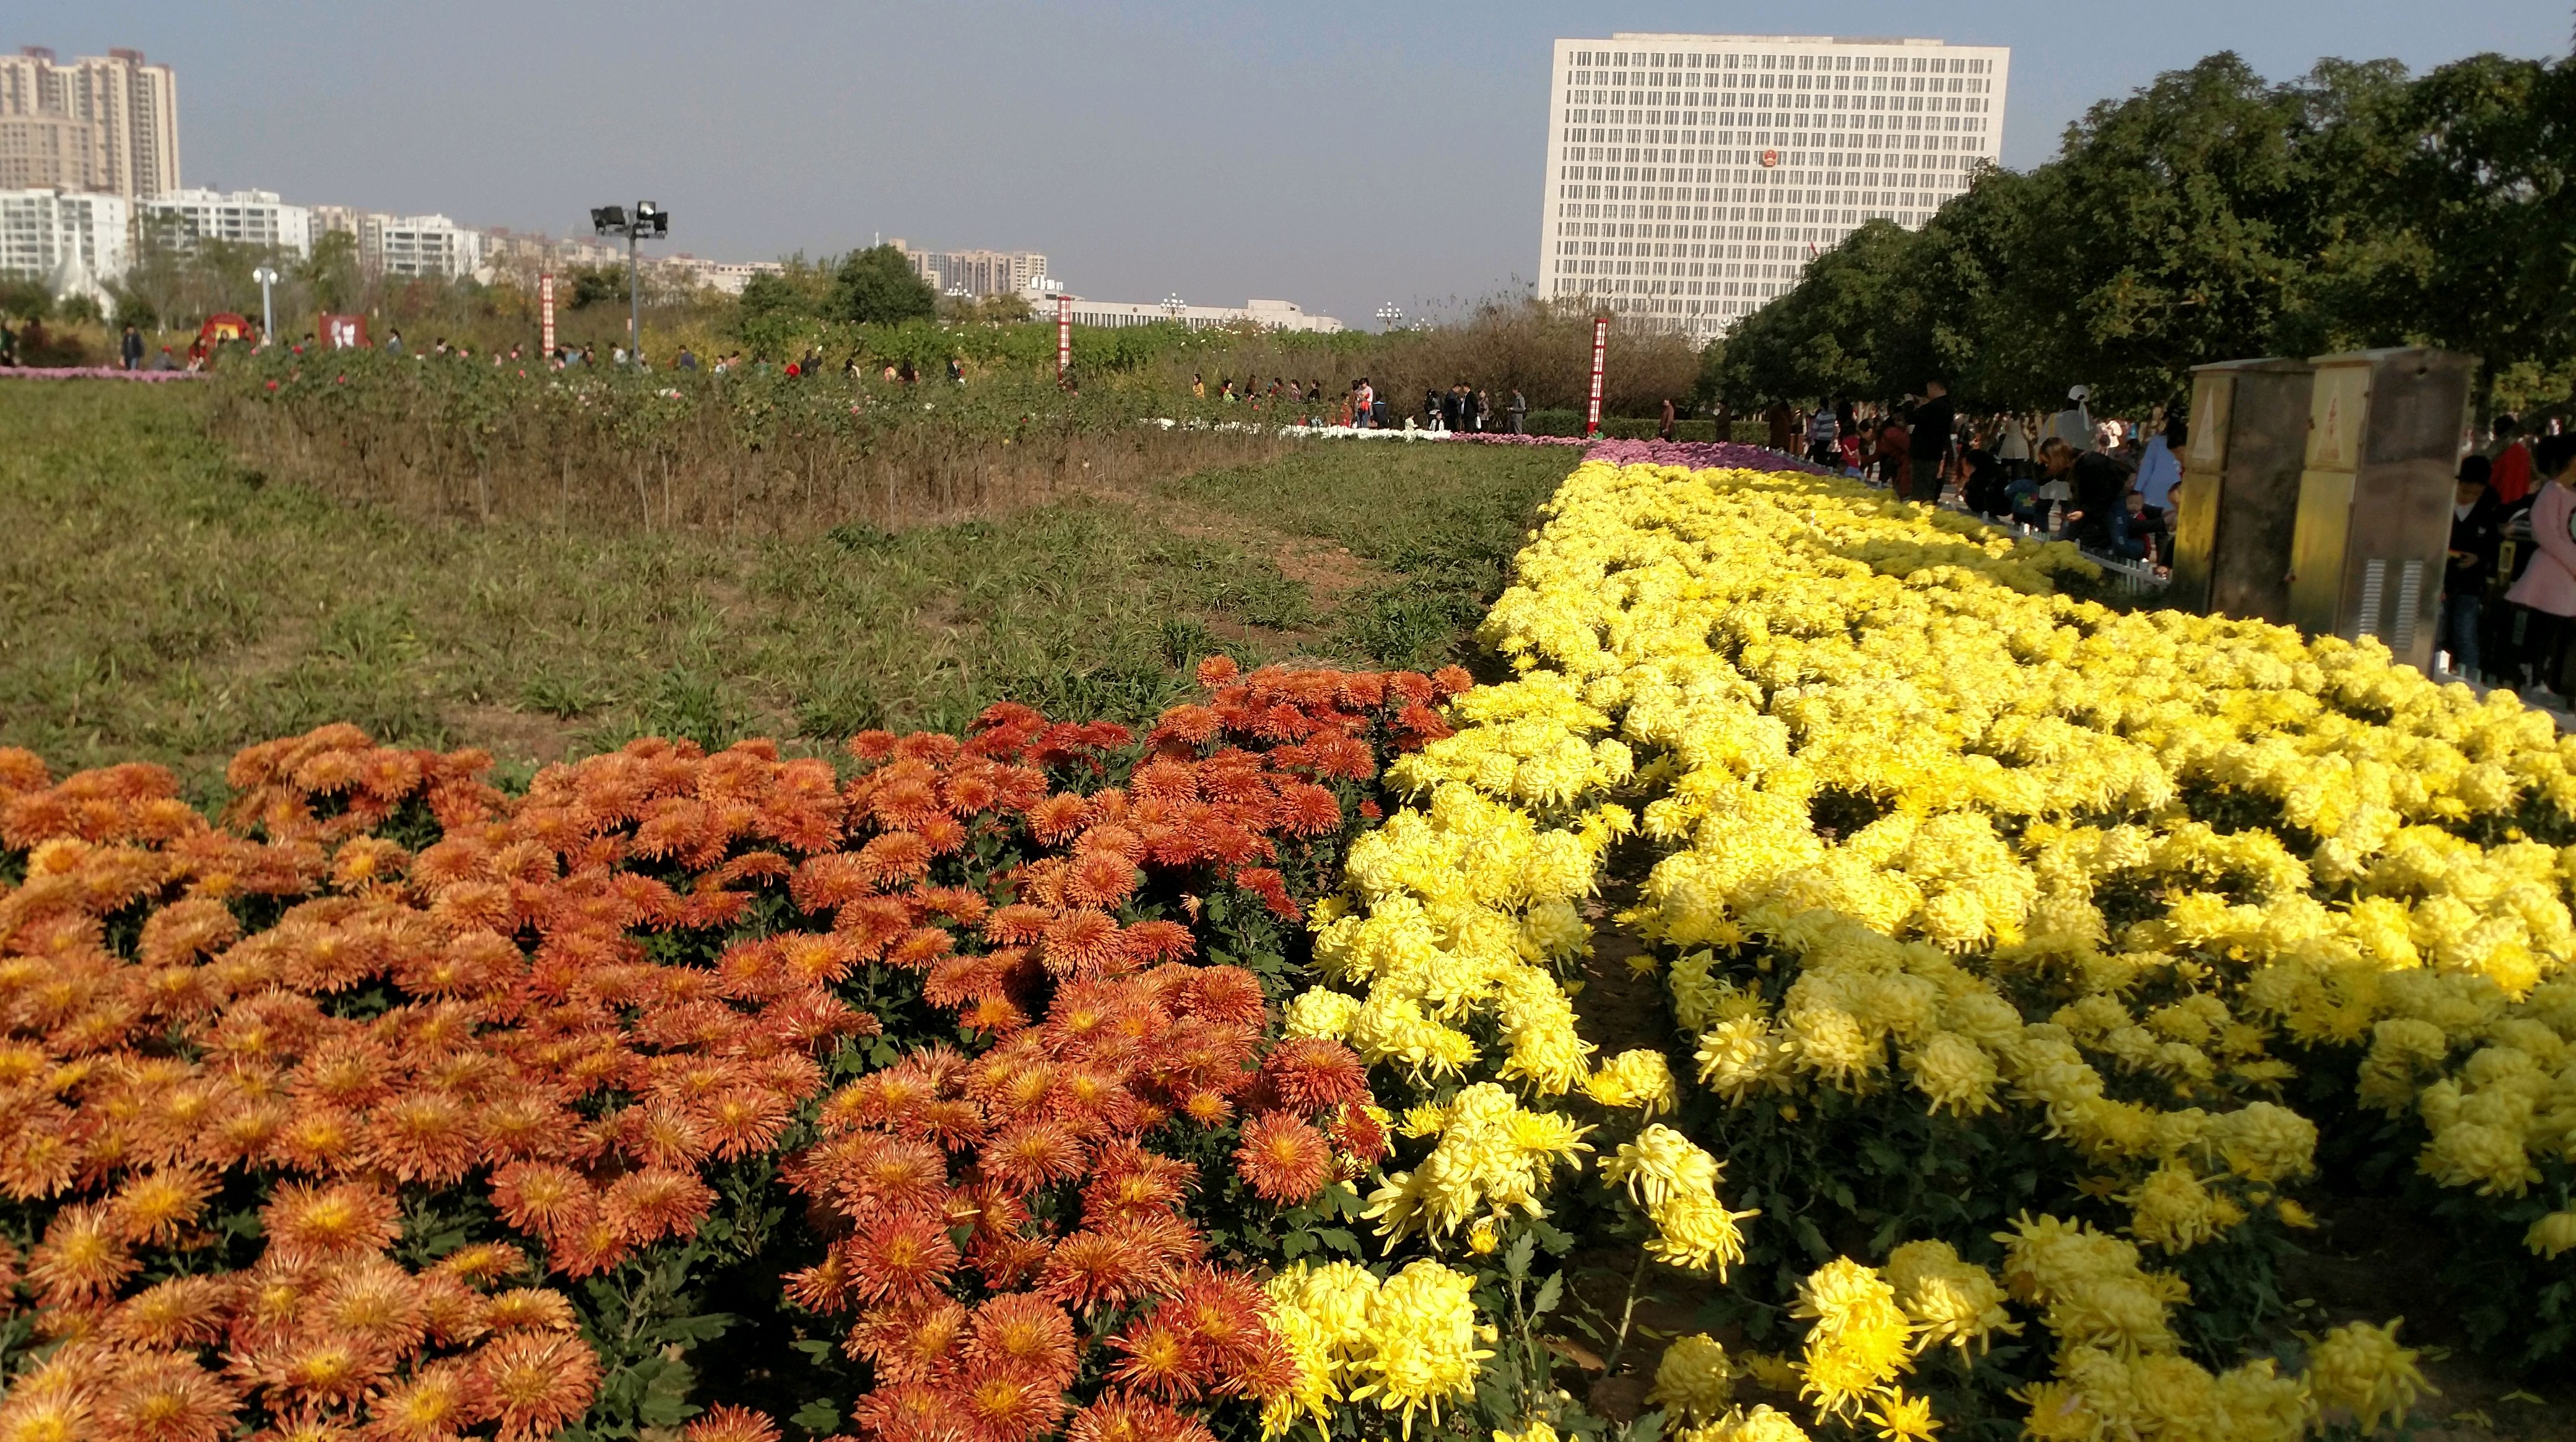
[267,309]
[646,219]
[1389,316]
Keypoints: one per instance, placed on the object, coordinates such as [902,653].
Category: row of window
[1775,281]
[1733,92]
[1954,105]
[1685,60]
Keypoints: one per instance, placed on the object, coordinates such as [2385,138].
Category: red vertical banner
[1063,337]
[546,314]
[1600,348]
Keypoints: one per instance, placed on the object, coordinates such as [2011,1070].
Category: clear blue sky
[1334,155]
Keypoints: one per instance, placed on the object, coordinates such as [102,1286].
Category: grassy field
[163,603]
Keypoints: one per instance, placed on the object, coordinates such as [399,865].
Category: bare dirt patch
[515,735]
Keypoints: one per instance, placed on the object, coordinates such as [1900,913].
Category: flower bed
[2021,949]
[2023,965]
[934,1096]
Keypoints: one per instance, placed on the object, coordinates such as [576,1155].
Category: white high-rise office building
[1692,177]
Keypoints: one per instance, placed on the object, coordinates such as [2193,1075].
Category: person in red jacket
[2510,476]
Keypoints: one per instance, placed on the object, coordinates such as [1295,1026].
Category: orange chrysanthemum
[1110,1266]
[1158,1360]
[534,1382]
[656,1202]
[1033,1155]
[156,1206]
[183,1312]
[1027,1334]
[897,1256]
[529,1309]
[1283,1158]
[321,1224]
[725,1422]
[913,1341]
[163,1397]
[482,1263]
[434,1404]
[1121,1416]
[543,1199]
[1004,1406]
[1311,1074]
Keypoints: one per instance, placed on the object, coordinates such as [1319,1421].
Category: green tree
[2212,215]
[877,286]
[331,272]
[597,285]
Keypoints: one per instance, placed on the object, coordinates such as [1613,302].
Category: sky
[1341,157]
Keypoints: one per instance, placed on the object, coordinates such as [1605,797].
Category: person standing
[2477,528]
[1365,415]
[2160,467]
[2073,425]
[1484,411]
[1440,409]
[1929,440]
[1784,428]
[1664,428]
[2548,587]
[1198,385]
[1895,446]
[1519,413]
[2511,458]
[130,349]
[2012,447]
[1824,432]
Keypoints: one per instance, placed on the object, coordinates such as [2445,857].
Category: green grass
[1437,521]
[163,603]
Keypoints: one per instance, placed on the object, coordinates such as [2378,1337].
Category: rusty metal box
[2239,499]
[2386,429]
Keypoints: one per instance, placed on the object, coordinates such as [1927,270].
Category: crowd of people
[2508,614]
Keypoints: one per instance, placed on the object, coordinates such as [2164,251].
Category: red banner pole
[1063,337]
[1600,346]
[546,310]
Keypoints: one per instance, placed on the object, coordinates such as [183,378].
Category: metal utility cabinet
[2239,498]
[2386,429]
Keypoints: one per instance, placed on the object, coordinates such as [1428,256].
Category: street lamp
[1389,316]
[267,311]
[647,219]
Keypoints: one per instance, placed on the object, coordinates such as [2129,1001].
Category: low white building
[431,246]
[728,276]
[243,217]
[73,241]
[1267,314]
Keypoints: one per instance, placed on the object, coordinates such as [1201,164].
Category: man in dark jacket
[2096,481]
[2477,527]
[131,348]
[1929,440]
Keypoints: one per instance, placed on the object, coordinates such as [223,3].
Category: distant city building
[1690,178]
[728,276]
[426,246]
[978,272]
[243,217]
[107,123]
[1268,314]
[73,241]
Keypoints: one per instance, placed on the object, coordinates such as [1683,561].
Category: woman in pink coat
[2548,585]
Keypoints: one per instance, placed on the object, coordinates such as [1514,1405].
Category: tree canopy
[877,286]
[2212,215]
